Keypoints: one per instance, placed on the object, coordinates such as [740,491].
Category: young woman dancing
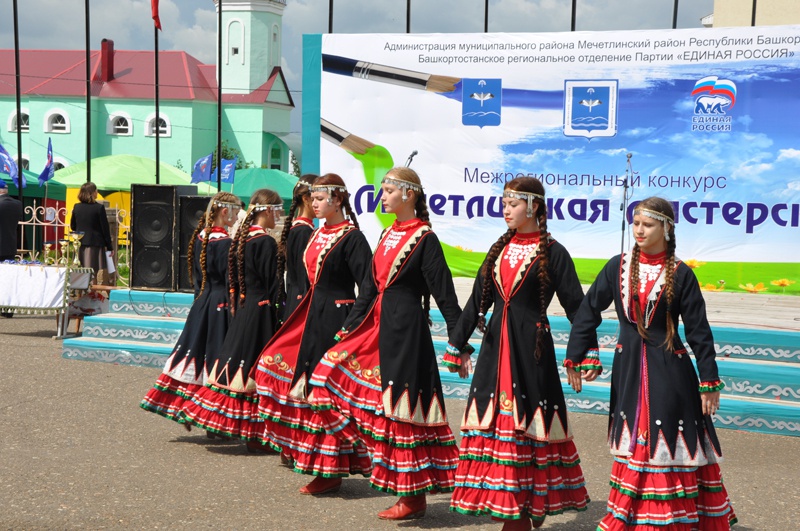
[294,238]
[207,322]
[336,259]
[665,473]
[228,404]
[518,462]
[380,385]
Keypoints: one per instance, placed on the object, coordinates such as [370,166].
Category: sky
[189,25]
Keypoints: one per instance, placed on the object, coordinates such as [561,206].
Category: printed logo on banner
[481,102]
[715,96]
[590,107]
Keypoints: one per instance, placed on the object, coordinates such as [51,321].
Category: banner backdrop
[707,118]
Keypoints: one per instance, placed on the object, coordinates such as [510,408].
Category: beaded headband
[261,208]
[403,185]
[663,218]
[528,197]
[301,183]
[328,188]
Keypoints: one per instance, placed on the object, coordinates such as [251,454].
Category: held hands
[575,378]
[710,402]
[465,368]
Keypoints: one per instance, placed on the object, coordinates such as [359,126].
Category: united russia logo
[714,98]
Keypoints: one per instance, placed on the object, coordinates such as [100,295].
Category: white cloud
[788,154]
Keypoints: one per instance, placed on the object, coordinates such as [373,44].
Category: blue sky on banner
[189,25]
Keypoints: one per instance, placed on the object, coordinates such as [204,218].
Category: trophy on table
[64,244]
[76,245]
[47,259]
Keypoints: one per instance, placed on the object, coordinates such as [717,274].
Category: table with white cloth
[41,289]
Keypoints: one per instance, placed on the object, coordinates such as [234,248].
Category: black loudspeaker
[191,208]
[154,233]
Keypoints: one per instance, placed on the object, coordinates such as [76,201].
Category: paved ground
[77,453]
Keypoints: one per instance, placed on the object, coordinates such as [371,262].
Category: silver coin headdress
[329,189]
[403,185]
[658,216]
[528,197]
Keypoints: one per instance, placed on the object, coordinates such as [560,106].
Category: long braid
[287,226]
[634,287]
[488,273]
[349,210]
[421,209]
[201,223]
[669,276]
[244,234]
[544,278]
[233,281]
[206,236]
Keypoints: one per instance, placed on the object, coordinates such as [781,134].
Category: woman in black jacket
[89,217]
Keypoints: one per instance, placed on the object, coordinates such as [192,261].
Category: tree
[294,166]
[228,153]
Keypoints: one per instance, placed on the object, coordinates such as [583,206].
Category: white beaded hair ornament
[403,185]
[528,197]
[658,216]
[263,207]
[329,189]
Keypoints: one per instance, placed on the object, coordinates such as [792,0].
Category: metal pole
[219,96]
[88,98]
[408,16]
[330,16]
[18,81]
[486,16]
[158,115]
[574,9]
[753,17]
[675,15]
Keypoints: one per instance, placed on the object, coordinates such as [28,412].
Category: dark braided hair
[664,207]
[236,263]
[488,271]
[300,192]
[205,223]
[334,180]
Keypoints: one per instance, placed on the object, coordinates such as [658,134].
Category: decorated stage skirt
[407,458]
[169,396]
[225,412]
[507,475]
[648,497]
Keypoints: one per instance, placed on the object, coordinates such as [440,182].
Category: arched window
[58,166]
[236,41]
[24,163]
[119,124]
[275,46]
[25,121]
[275,157]
[164,126]
[56,121]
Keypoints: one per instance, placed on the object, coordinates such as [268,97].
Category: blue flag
[49,170]
[202,169]
[228,170]
[7,165]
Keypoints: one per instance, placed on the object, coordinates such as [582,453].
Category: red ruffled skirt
[169,397]
[510,476]
[647,497]
[408,459]
[225,412]
[290,426]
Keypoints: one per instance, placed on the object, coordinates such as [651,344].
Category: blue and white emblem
[590,107]
[481,101]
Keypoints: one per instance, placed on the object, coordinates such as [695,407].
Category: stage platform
[757,339]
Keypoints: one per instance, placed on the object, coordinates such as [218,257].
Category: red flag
[154,6]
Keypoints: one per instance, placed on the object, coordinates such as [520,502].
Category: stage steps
[760,368]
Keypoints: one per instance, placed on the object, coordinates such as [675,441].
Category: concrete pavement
[77,452]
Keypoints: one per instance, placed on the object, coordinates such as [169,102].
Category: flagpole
[88,97]
[157,121]
[219,95]
[18,82]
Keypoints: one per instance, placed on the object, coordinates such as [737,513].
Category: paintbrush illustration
[344,66]
[345,140]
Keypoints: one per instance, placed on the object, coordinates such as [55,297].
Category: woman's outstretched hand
[710,402]
[575,379]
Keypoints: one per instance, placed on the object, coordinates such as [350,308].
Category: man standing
[10,216]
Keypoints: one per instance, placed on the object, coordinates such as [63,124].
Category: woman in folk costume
[336,260]
[665,473]
[207,322]
[294,238]
[518,462]
[380,385]
[228,404]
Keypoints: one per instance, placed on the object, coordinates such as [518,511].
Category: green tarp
[55,191]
